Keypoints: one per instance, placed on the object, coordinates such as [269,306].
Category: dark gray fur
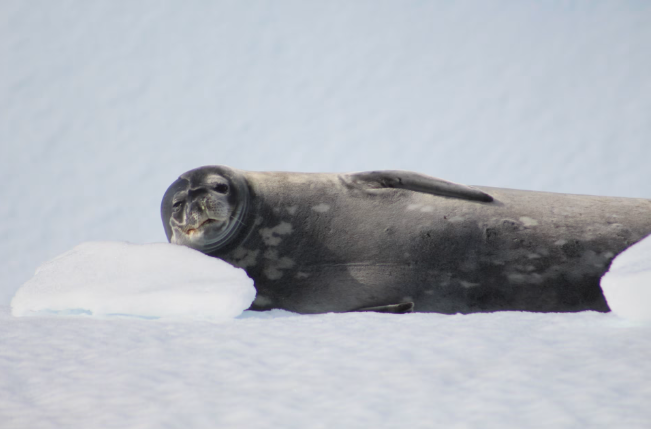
[317,243]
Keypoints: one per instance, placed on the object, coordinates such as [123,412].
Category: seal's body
[317,243]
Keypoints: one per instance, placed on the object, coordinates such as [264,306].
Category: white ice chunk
[627,285]
[145,280]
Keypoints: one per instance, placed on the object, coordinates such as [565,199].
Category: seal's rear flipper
[403,307]
[419,183]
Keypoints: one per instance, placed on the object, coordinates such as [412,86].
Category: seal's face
[204,208]
[200,212]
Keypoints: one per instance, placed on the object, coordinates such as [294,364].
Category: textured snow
[627,284]
[103,104]
[151,281]
[278,369]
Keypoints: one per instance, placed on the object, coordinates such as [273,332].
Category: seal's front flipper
[419,183]
[403,307]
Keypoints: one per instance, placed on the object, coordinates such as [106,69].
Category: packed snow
[151,281]
[356,370]
[627,284]
[103,104]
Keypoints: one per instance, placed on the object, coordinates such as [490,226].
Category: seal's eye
[222,188]
[177,205]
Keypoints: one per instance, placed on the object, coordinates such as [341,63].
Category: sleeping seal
[393,240]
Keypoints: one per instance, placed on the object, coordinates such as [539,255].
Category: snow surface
[627,284]
[103,104]
[357,370]
[150,280]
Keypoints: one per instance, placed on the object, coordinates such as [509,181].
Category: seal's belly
[337,287]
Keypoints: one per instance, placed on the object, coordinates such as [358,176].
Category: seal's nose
[198,199]
[194,211]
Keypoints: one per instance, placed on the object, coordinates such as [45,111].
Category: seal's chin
[206,237]
[201,228]
[204,233]
[201,237]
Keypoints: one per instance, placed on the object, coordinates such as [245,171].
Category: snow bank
[150,280]
[627,285]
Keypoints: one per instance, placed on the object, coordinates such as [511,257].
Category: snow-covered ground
[280,370]
[103,104]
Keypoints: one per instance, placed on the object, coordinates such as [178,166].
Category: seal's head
[204,208]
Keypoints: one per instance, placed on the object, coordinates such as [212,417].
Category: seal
[394,241]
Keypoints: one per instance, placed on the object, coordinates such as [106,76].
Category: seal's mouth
[193,231]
